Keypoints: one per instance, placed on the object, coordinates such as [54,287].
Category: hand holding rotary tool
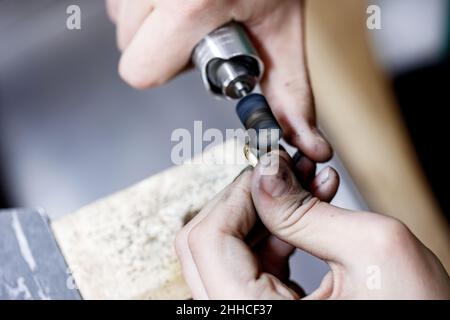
[157,38]
[231,68]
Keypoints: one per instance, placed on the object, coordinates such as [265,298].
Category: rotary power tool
[231,68]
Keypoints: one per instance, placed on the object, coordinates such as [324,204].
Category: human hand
[226,254]
[157,38]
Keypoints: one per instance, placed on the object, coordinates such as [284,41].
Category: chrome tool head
[228,62]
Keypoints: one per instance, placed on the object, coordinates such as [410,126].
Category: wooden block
[122,247]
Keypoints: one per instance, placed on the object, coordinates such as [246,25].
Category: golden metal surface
[250,156]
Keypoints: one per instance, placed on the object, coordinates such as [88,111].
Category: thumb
[293,215]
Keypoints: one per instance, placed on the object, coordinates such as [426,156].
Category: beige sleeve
[360,116]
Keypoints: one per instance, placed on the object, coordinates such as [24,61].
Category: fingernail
[323,178]
[279,181]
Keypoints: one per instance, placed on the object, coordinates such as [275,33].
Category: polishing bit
[255,114]
[231,68]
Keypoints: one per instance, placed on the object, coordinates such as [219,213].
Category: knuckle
[237,191]
[236,201]
[390,236]
[195,238]
[122,39]
[135,77]
[268,286]
[234,194]
[262,288]
[112,9]
[289,220]
[196,7]
[299,88]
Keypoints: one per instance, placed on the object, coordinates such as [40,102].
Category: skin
[239,245]
[157,38]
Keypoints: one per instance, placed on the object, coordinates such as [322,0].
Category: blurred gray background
[71,131]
